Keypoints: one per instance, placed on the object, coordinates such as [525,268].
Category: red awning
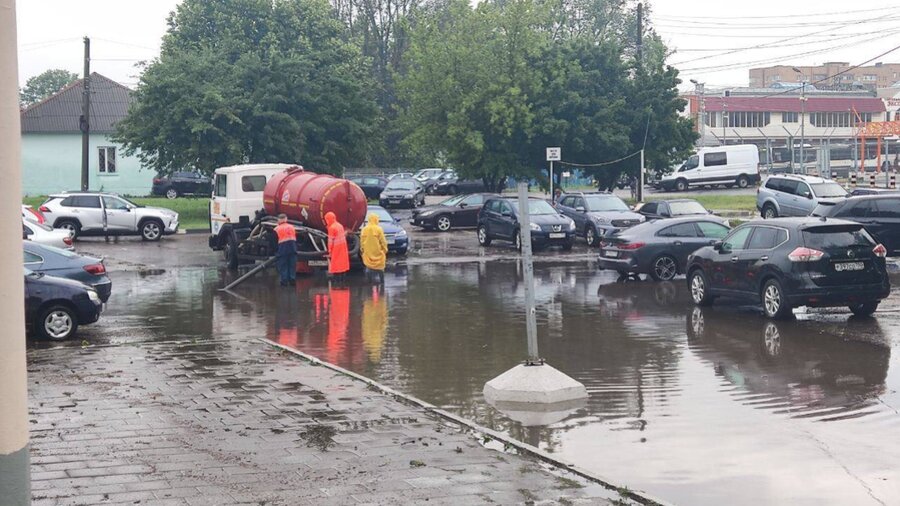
[792,104]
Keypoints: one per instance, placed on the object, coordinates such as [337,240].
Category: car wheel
[430,190]
[72,226]
[229,250]
[864,308]
[664,268]
[699,288]
[151,230]
[442,223]
[171,193]
[57,323]
[769,212]
[773,301]
[681,185]
[483,238]
[590,235]
[742,181]
[517,240]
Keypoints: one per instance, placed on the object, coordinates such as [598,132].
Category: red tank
[306,197]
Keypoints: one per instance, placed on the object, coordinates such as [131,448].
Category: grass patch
[715,202]
[192,212]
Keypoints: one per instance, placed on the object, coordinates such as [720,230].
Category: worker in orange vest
[338,256]
[286,253]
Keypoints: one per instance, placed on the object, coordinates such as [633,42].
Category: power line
[718,25]
[601,164]
[803,15]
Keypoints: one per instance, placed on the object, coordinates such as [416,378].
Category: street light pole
[701,114]
[802,118]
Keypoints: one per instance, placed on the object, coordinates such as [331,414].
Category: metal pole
[528,271]
[802,125]
[86,116]
[724,117]
[640,188]
[14,464]
[552,196]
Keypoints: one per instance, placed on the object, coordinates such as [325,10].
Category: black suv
[791,262]
[451,184]
[181,183]
[499,219]
[597,214]
[880,214]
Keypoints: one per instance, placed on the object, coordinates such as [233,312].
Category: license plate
[390,240]
[849,266]
[557,235]
[317,263]
[394,201]
[611,254]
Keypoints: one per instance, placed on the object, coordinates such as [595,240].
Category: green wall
[51,163]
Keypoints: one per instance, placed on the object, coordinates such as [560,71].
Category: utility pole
[86,116]
[700,88]
[802,118]
[639,46]
[14,464]
[724,119]
[640,184]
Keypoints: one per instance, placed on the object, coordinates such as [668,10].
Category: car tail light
[805,255]
[38,215]
[67,240]
[44,209]
[880,251]
[95,269]
[157,180]
[632,245]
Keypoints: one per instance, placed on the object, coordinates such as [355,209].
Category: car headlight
[425,214]
[535,227]
[401,233]
[571,224]
[92,294]
[408,196]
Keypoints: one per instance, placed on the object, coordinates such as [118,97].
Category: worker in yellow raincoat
[373,247]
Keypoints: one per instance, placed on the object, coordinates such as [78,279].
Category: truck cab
[237,195]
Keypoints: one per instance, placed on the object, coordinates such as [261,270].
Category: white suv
[95,213]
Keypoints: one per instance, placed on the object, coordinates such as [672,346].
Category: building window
[838,119]
[790,117]
[710,119]
[744,119]
[107,157]
[869,77]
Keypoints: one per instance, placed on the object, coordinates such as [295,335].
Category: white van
[735,165]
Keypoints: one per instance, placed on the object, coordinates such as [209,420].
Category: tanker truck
[246,200]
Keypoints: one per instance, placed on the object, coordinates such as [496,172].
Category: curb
[193,231]
[640,497]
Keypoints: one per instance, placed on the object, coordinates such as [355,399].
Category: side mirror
[463,205]
[506,214]
[809,196]
[581,209]
[719,246]
[665,214]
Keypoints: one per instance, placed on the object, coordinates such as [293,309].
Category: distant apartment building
[777,120]
[835,76]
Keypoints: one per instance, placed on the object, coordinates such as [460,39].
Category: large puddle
[711,407]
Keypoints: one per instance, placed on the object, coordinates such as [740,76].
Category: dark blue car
[55,307]
[397,238]
[65,264]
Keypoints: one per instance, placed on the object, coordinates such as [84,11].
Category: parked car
[401,175]
[856,192]
[32,214]
[372,186]
[659,248]
[402,192]
[499,219]
[795,195]
[181,183]
[460,211]
[428,178]
[661,209]
[55,307]
[395,235]
[735,165]
[793,262]
[451,184]
[84,213]
[65,264]
[597,214]
[880,214]
[44,234]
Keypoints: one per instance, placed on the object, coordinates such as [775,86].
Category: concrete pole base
[15,486]
[533,384]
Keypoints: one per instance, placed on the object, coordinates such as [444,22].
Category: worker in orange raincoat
[338,256]
[373,247]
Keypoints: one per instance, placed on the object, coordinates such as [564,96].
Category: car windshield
[604,203]
[826,190]
[452,201]
[690,164]
[538,207]
[836,236]
[426,173]
[401,185]
[686,207]
[383,215]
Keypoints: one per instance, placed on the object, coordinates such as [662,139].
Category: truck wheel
[230,252]
[742,181]
[681,185]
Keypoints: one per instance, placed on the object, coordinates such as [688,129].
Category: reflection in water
[712,406]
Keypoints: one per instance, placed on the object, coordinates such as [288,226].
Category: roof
[799,221]
[792,104]
[803,177]
[255,166]
[61,112]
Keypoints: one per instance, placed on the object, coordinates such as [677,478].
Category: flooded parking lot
[712,406]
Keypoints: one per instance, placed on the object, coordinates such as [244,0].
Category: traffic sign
[554,154]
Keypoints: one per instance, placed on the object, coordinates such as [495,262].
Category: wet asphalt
[711,406]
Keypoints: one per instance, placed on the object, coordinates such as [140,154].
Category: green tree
[247,81]
[45,84]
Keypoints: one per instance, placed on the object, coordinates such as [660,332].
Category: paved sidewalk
[230,421]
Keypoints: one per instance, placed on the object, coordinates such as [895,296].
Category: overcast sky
[123,32]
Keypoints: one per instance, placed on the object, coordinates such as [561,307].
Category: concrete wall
[52,163]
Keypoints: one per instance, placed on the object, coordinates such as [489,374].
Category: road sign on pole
[553,155]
